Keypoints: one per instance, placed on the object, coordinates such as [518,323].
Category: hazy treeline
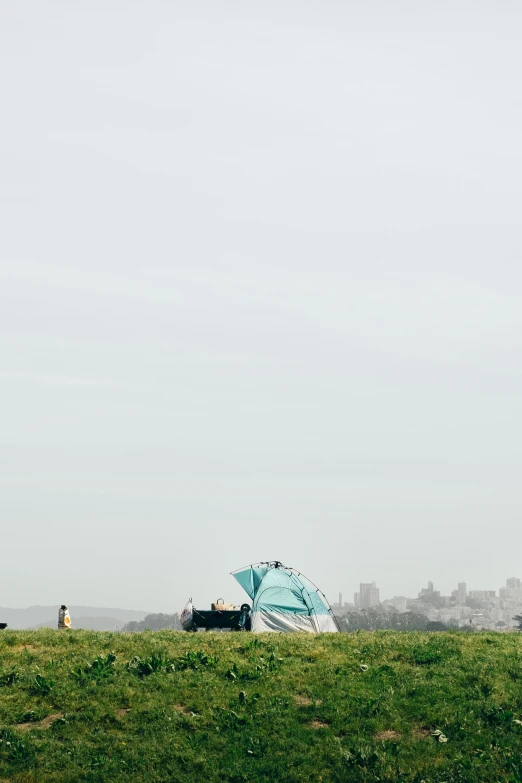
[375,620]
[154,622]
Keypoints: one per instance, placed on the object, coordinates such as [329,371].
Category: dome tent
[285,600]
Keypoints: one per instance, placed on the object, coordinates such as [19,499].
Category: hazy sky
[260,296]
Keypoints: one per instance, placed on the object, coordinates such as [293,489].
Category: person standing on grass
[64,618]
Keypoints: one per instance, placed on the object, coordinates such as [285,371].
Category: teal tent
[284,600]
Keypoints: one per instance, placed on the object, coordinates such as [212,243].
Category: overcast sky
[260,296]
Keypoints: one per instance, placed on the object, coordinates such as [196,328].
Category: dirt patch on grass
[389,735]
[49,720]
[46,723]
[421,734]
[123,712]
[306,701]
[182,709]
[319,724]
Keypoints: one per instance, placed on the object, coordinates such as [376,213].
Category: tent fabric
[279,621]
[282,622]
[285,600]
[250,578]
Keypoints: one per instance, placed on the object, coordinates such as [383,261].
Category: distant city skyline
[375,596]
[462,607]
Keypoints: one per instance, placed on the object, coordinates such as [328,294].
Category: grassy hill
[166,706]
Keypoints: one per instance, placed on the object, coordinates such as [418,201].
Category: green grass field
[167,706]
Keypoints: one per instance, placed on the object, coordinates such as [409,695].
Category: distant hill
[89,624]
[92,617]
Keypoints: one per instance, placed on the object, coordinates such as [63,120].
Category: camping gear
[221,616]
[285,600]
[221,606]
[187,616]
[64,618]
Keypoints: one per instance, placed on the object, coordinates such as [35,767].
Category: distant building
[399,602]
[512,591]
[428,593]
[482,595]
[477,619]
[461,594]
[373,596]
[367,597]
